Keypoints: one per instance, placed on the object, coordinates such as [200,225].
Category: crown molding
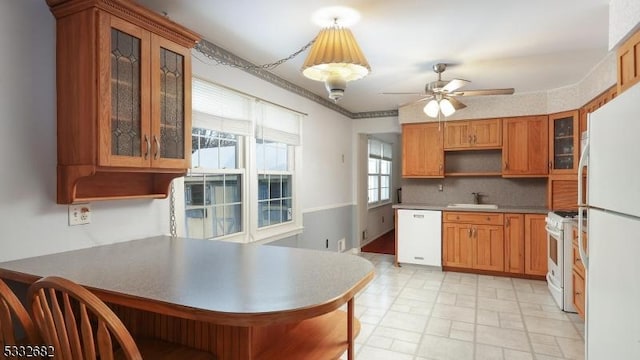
[228,58]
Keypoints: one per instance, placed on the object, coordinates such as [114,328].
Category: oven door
[555,263]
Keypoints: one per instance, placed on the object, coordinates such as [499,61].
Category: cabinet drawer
[473,218]
[578,293]
[577,262]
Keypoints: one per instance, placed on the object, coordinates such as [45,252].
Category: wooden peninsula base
[322,337]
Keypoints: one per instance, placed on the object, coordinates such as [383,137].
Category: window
[213,205]
[379,183]
[276,139]
[226,198]
[213,187]
[274,183]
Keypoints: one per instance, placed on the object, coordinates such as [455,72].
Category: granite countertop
[500,209]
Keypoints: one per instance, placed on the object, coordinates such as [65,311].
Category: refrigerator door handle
[582,206]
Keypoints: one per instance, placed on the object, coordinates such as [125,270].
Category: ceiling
[531,46]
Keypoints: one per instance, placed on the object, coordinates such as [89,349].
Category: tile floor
[415,313]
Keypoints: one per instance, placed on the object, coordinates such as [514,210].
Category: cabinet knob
[506,165]
[475,139]
[550,165]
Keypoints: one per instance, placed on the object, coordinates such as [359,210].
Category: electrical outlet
[79,214]
[342,245]
[440,187]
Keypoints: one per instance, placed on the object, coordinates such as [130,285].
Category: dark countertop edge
[500,209]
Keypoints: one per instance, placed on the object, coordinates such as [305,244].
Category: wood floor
[385,244]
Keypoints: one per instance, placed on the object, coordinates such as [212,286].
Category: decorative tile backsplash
[495,190]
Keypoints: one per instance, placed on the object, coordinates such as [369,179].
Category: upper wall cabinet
[594,105]
[564,141]
[124,100]
[629,63]
[422,150]
[525,146]
[475,134]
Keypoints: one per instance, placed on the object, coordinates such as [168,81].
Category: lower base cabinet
[525,244]
[473,241]
[509,243]
[578,271]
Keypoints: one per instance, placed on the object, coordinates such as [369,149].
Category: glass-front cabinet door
[124,126]
[171,90]
[145,83]
[564,140]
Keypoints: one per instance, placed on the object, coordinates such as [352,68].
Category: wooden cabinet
[525,146]
[488,247]
[475,134]
[457,245]
[594,105]
[578,273]
[629,63]
[124,100]
[564,141]
[514,243]
[473,241]
[562,192]
[422,150]
[525,244]
[535,244]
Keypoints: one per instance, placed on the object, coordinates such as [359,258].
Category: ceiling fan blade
[454,85]
[402,93]
[416,101]
[456,103]
[507,91]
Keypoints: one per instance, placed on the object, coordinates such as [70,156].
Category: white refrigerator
[612,160]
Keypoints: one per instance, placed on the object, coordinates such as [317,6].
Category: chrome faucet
[476,197]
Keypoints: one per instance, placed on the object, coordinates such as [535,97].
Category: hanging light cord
[210,53]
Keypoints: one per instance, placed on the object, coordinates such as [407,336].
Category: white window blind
[278,124]
[218,108]
[379,150]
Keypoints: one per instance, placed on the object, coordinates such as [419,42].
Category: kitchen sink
[473,206]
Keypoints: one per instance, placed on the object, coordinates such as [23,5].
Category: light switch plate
[79,214]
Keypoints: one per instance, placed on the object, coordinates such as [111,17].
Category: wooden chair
[11,308]
[82,327]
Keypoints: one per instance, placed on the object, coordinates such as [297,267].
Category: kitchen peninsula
[237,301]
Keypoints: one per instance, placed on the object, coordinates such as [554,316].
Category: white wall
[624,18]
[31,223]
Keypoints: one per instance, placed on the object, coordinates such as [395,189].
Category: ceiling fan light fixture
[432,108]
[446,107]
[335,54]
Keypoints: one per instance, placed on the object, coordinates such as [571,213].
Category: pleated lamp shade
[335,53]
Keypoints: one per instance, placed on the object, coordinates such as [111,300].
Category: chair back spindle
[77,323]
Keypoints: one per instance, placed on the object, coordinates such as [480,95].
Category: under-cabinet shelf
[462,174]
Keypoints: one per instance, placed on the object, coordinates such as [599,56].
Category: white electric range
[560,257]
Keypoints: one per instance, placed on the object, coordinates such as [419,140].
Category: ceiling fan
[443,93]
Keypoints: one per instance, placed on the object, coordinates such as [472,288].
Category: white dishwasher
[420,237]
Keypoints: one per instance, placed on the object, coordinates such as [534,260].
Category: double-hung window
[379,181]
[214,194]
[277,136]
[242,181]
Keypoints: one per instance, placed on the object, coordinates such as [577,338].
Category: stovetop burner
[567,214]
